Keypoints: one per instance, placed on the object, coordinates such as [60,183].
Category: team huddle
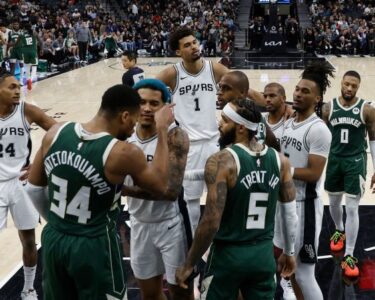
[159,143]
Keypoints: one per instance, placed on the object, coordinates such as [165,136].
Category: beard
[227,138]
[347,98]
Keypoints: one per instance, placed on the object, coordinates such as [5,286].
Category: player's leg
[25,218]
[152,288]
[334,186]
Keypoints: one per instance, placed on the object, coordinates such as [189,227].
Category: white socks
[305,277]
[352,223]
[29,275]
[335,208]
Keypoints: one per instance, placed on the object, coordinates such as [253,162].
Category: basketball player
[349,118]
[75,182]
[193,83]
[235,85]
[158,239]
[274,94]
[133,73]
[306,141]
[244,182]
[29,52]
[14,48]
[15,120]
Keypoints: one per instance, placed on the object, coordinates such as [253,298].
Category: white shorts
[157,248]
[198,154]
[13,197]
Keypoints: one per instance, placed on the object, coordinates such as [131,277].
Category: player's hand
[289,112]
[182,274]
[164,116]
[373,183]
[25,171]
[286,265]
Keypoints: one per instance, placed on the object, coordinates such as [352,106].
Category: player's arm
[289,218]
[271,140]
[178,145]
[35,115]
[326,108]
[320,141]
[257,97]
[36,186]
[369,116]
[219,71]
[219,169]
[168,76]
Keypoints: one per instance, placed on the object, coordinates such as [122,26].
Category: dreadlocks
[319,72]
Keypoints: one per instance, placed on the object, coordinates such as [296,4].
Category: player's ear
[124,116]
[178,52]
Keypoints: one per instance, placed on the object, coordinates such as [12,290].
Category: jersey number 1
[197,108]
[78,206]
[256,218]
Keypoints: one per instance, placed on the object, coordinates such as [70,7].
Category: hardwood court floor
[76,96]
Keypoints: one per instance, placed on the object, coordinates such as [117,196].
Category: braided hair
[319,72]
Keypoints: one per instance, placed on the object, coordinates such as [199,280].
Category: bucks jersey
[261,132]
[249,212]
[82,199]
[195,98]
[277,128]
[348,128]
[300,139]
[145,210]
[14,143]
[28,41]
[13,37]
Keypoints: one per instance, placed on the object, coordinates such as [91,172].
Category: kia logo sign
[273,43]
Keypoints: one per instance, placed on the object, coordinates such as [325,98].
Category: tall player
[158,238]
[349,118]
[193,82]
[244,181]
[14,48]
[306,141]
[15,120]
[75,182]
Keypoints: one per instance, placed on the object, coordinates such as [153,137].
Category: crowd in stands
[82,30]
[341,27]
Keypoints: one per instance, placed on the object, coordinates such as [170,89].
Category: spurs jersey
[14,143]
[277,129]
[195,98]
[145,210]
[311,136]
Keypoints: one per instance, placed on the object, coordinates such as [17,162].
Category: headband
[236,118]
[157,85]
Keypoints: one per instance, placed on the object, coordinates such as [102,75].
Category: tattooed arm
[220,174]
[178,145]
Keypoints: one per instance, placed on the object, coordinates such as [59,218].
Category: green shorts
[29,57]
[346,174]
[15,54]
[78,267]
[246,268]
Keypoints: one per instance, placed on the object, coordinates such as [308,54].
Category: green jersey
[13,38]
[348,128]
[28,41]
[249,212]
[82,200]
[262,131]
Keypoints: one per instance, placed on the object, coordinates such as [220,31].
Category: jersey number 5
[256,214]
[78,206]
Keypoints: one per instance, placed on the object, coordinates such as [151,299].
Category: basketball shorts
[198,154]
[157,248]
[15,55]
[80,267]
[246,268]
[301,224]
[14,198]
[346,174]
[30,57]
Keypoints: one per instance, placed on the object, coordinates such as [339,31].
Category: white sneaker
[288,294]
[29,295]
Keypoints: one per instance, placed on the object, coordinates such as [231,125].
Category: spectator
[83,39]
[133,73]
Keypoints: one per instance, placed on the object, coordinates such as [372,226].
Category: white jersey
[277,129]
[195,98]
[146,210]
[14,143]
[311,136]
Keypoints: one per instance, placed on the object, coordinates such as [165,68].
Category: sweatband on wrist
[292,171]
[372,150]
[194,175]
[236,118]
[289,218]
[39,197]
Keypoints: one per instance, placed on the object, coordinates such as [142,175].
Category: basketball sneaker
[288,293]
[349,266]
[337,241]
[29,295]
